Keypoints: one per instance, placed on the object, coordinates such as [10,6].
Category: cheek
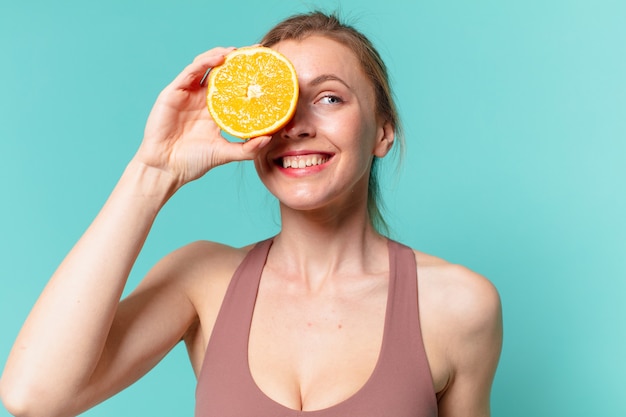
[368,133]
[345,126]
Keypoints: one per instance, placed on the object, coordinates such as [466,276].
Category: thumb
[231,151]
[251,148]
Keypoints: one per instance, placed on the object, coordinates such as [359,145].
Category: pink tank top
[400,385]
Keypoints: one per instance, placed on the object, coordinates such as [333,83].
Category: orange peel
[253,93]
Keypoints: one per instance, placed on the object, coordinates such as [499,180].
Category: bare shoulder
[461,317]
[465,298]
[202,257]
[200,272]
[213,252]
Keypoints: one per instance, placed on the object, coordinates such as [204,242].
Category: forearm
[61,341]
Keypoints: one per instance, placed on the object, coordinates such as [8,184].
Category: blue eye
[331,100]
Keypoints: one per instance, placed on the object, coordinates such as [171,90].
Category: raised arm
[79,345]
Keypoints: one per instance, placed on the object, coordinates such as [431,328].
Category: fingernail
[206,74]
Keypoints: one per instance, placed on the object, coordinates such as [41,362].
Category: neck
[318,247]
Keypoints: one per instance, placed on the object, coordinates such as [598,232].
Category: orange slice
[253,93]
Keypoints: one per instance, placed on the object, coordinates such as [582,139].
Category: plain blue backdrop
[515,117]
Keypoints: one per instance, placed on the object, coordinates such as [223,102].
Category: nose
[299,127]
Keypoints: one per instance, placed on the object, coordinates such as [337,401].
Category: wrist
[146,182]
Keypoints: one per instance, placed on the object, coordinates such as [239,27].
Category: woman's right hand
[180,137]
[79,315]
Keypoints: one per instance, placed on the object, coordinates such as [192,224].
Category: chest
[354,350]
[311,351]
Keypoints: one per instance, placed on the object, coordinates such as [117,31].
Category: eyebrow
[327,77]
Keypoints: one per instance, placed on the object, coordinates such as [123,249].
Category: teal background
[515,117]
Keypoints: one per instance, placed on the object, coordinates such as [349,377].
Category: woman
[328,317]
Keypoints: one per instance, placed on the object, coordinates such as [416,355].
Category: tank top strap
[225,363]
[240,298]
[403,311]
[404,372]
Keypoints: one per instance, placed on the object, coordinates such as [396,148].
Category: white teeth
[303,161]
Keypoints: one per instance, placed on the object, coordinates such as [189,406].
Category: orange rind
[253,93]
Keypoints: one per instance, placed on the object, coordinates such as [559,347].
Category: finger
[190,77]
[206,72]
[223,51]
[253,146]
[248,150]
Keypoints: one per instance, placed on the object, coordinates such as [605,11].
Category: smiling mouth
[303,161]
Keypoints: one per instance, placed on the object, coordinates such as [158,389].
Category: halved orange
[253,93]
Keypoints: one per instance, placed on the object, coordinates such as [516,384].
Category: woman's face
[322,157]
